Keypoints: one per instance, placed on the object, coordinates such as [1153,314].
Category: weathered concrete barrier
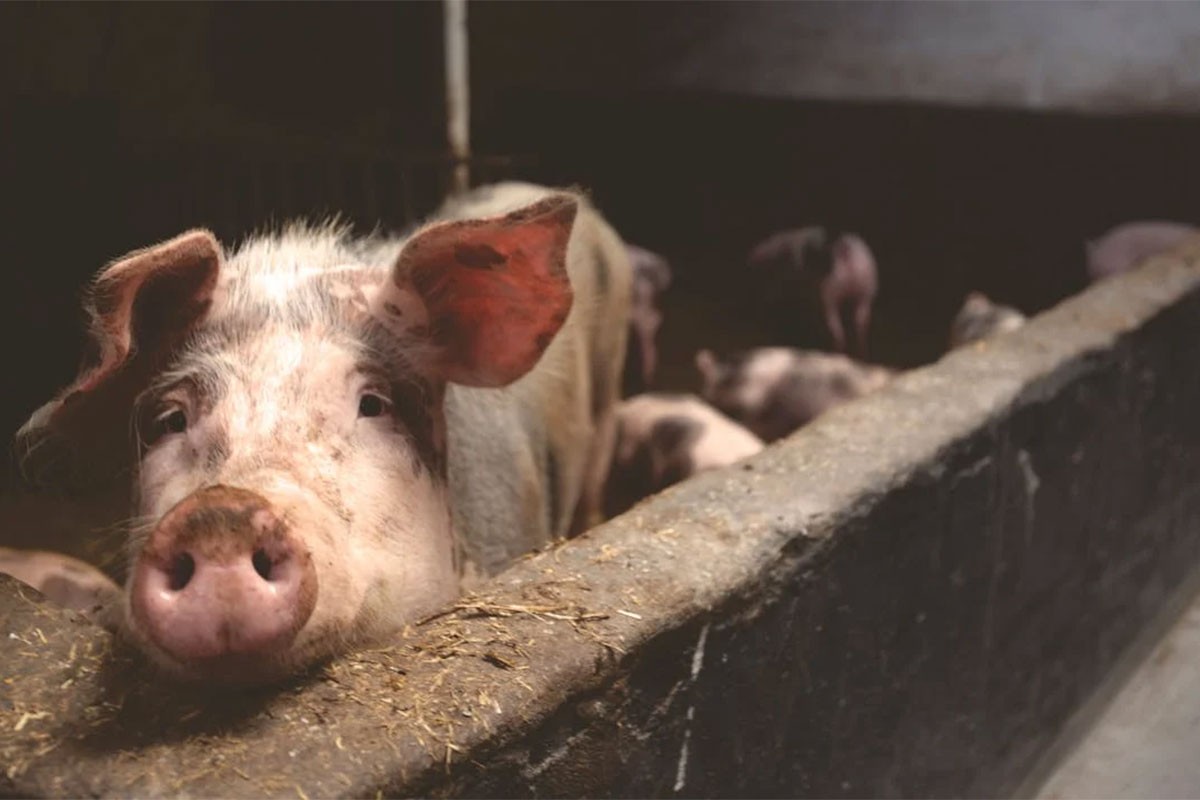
[908,597]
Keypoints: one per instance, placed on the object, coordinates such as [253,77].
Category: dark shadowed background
[974,146]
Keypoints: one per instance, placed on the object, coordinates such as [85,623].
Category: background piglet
[775,390]
[838,270]
[651,277]
[306,438]
[980,318]
[1126,246]
[66,581]
[663,439]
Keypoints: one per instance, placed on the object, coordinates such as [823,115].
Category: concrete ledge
[908,597]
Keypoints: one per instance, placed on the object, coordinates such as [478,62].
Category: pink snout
[221,577]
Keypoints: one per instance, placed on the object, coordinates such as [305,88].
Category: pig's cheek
[167,476]
[340,595]
[340,582]
[323,461]
[405,554]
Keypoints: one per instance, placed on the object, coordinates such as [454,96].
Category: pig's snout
[220,577]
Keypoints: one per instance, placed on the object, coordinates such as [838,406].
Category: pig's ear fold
[141,308]
[143,305]
[478,301]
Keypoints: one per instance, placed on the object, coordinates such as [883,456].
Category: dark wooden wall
[124,124]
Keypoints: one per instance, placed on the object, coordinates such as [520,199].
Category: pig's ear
[482,299]
[145,303]
[141,308]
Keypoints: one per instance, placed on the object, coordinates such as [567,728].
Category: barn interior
[967,148]
[974,146]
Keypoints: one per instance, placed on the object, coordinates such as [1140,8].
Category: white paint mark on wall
[1032,482]
[533,770]
[698,655]
[697,666]
[681,769]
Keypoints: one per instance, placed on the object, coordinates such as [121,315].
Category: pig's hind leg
[833,321]
[862,326]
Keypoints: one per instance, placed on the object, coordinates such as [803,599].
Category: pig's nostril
[179,574]
[262,564]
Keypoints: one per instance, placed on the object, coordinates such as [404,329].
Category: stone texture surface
[1144,744]
[908,597]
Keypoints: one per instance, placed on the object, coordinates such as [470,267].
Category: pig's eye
[372,405]
[171,421]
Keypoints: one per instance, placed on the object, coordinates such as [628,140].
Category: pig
[838,268]
[1126,246]
[67,581]
[980,318]
[775,390]
[314,437]
[651,277]
[663,439]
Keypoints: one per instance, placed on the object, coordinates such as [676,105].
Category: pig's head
[288,448]
[792,256]
[745,386]
[773,390]
[980,317]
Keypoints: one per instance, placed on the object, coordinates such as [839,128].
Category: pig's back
[857,264]
[519,456]
[1128,245]
[720,440]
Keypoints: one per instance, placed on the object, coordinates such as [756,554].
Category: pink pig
[327,430]
[838,268]
[663,439]
[775,390]
[69,581]
[980,317]
[1126,246]
[651,277]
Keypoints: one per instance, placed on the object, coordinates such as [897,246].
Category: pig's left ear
[141,308]
[482,299]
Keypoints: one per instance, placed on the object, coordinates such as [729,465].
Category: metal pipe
[458,93]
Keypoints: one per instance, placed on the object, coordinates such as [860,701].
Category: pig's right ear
[141,307]
[476,302]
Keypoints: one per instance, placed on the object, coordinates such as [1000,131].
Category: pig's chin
[233,668]
[313,646]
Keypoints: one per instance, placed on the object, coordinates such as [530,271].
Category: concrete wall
[908,597]
[1129,57]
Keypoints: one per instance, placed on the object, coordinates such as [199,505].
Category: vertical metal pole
[458,93]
